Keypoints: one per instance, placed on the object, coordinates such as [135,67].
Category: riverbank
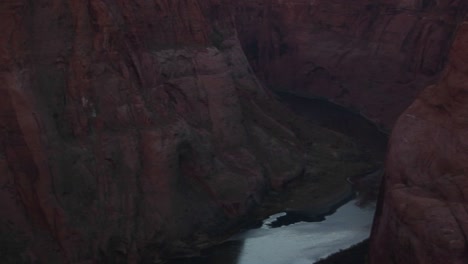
[298,242]
[308,197]
[323,185]
[356,254]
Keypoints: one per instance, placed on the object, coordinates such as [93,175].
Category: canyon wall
[423,214]
[131,130]
[371,55]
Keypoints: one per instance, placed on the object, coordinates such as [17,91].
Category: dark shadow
[340,119]
[225,253]
[317,215]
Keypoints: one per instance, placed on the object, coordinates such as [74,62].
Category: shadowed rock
[131,130]
[422,216]
[372,55]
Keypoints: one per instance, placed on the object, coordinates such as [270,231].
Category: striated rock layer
[371,55]
[130,129]
[423,216]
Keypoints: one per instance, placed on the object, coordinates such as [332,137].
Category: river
[292,238]
[296,243]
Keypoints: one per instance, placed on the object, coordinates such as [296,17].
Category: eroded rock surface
[423,216]
[372,55]
[131,129]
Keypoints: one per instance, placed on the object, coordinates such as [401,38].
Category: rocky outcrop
[371,55]
[423,215]
[130,129]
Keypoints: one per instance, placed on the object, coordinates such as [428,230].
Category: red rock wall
[423,216]
[128,125]
[124,129]
[374,56]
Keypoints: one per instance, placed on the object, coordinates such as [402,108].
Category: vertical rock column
[423,214]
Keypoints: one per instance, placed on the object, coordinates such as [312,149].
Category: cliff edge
[423,213]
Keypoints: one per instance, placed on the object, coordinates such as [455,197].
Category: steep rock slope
[372,55]
[423,216]
[131,129]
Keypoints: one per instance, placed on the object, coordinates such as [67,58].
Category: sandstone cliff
[372,55]
[130,129]
[423,215]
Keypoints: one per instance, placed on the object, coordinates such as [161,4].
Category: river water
[301,242]
[296,243]
[305,243]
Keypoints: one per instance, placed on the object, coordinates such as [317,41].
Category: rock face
[423,217]
[128,125]
[372,55]
[131,127]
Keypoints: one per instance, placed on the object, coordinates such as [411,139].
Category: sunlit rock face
[371,55]
[131,127]
[423,216]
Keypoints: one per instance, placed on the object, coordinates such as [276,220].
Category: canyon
[136,130]
[372,56]
[423,215]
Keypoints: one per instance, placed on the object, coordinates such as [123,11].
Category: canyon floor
[313,195]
